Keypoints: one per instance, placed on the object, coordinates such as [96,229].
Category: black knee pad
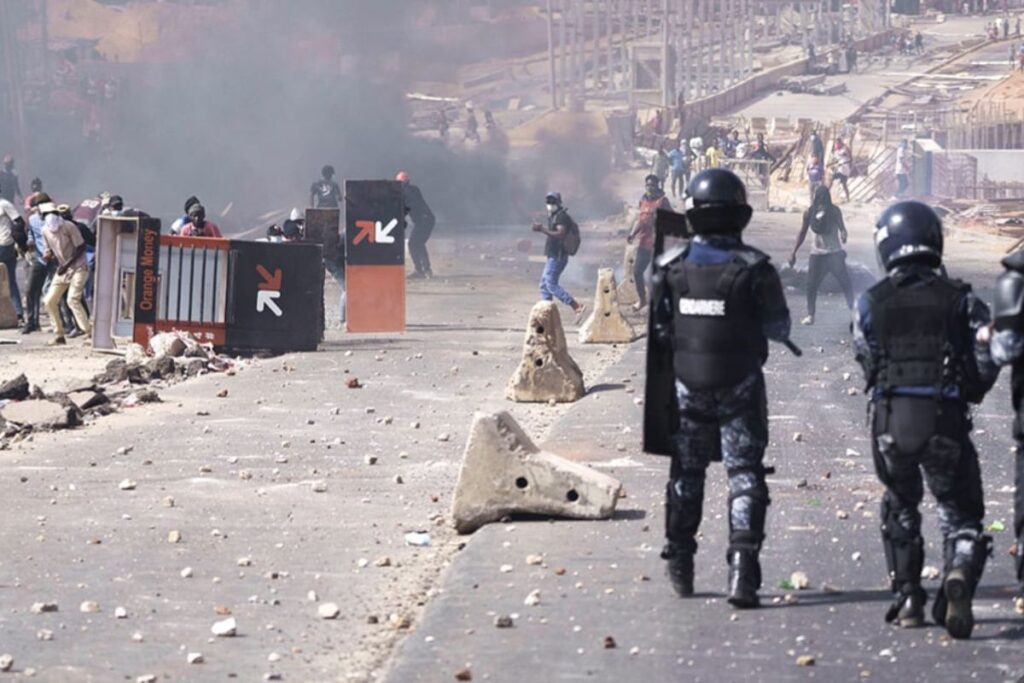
[903,545]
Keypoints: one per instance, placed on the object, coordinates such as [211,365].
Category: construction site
[293,440]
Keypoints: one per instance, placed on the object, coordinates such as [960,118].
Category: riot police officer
[1008,349]
[914,335]
[715,304]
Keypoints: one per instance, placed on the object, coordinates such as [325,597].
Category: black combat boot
[966,553]
[907,609]
[744,579]
[680,567]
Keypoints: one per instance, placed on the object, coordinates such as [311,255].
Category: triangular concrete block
[547,372]
[627,289]
[504,473]
[8,315]
[606,325]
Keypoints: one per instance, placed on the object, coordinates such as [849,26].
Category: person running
[842,166]
[557,250]
[825,220]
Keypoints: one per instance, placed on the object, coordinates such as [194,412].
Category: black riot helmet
[719,202]
[909,232]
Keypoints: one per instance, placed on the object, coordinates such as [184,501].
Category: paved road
[613,583]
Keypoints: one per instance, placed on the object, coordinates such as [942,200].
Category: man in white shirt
[65,245]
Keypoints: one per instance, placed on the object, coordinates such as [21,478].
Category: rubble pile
[125,383]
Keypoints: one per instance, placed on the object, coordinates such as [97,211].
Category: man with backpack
[563,241]
[825,220]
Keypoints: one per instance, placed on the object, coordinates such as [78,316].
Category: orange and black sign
[147,279]
[374,256]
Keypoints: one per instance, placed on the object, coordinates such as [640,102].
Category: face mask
[552,208]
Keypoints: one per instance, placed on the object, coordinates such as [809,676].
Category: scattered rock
[41,607]
[44,634]
[89,607]
[805,660]
[930,573]
[174,536]
[609,643]
[319,487]
[382,562]
[534,560]
[168,501]
[16,389]
[328,610]
[244,561]
[120,613]
[504,621]
[798,437]
[800,581]
[146,678]
[195,658]
[6,662]
[464,674]
[533,599]
[353,383]
[370,459]
[225,628]
[127,485]
[186,573]
[223,393]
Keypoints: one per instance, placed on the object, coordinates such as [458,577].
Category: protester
[13,238]
[842,166]
[679,160]
[181,221]
[825,220]
[9,187]
[903,155]
[423,222]
[815,175]
[325,192]
[661,164]
[713,156]
[39,270]
[197,225]
[653,199]
[66,247]
[560,227]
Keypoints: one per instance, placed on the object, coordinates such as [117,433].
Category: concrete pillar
[504,473]
[606,325]
[547,371]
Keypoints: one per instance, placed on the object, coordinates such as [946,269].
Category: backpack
[88,236]
[821,222]
[572,239]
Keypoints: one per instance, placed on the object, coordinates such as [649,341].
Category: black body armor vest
[913,327]
[717,336]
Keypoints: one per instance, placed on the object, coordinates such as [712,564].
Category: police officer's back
[914,335]
[1008,349]
[714,305]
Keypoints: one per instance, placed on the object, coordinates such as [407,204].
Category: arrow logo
[269,290]
[265,299]
[375,232]
[269,281]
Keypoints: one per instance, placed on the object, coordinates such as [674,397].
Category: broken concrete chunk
[328,610]
[86,399]
[547,371]
[167,344]
[627,293]
[606,325]
[39,414]
[504,473]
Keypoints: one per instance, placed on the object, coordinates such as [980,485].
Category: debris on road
[504,473]
[225,628]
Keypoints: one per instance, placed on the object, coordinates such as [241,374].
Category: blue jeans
[549,286]
[9,257]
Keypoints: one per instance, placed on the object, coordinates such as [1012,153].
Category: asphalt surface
[602,579]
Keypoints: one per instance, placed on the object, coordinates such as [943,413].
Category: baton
[793,348]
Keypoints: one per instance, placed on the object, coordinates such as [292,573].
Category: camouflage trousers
[730,425]
[918,441]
